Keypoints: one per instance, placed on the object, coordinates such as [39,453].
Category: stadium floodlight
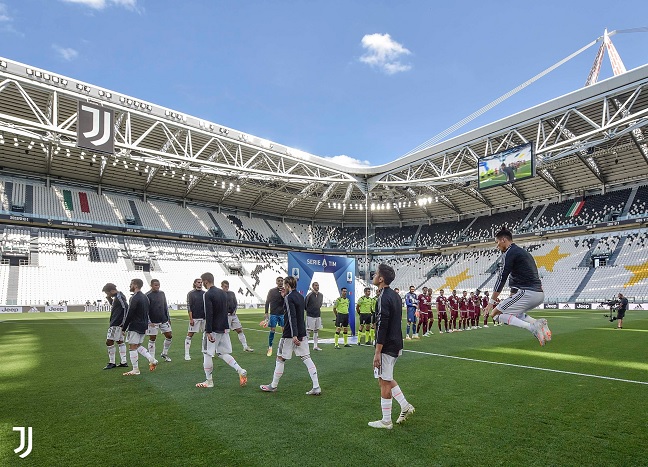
[46,75]
[38,74]
[16,142]
[3,64]
[238,188]
[81,156]
[64,82]
[29,71]
[55,79]
[1,138]
[67,152]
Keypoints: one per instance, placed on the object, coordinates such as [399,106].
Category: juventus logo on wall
[95,128]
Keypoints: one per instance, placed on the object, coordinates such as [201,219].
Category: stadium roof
[588,139]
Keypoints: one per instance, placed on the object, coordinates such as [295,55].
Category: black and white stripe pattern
[498,283]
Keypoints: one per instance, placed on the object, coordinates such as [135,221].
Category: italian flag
[575,209]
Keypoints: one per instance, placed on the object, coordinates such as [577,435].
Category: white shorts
[386,370]
[198,326]
[313,324]
[287,347]
[134,337]
[234,322]
[521,302]
[153,328]
[221,344]
[115,333]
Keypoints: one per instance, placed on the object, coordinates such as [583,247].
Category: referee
[519,267]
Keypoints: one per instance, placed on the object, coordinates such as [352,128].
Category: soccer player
[471,311]
[293,339]
[453,301]
[442,314]
[159,319]
[389,346]
[463,310]
[135,327]
[196,310]
[411,301]
[519,267]
[313,304]
[274,302]
[477,306]
[365,308]
[424,306]
[233,321]
[484,304]
[341,311]
[118,311]
[509,172]
[216,339]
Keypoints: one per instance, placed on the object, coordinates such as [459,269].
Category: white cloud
[66,53]
[347,161]
[101,4]
[384,53]
[4,14]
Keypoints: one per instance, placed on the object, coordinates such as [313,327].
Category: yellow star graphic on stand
[452,282]
[550,259]
[639,273]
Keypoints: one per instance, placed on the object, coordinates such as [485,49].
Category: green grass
[467,413]
[523,171]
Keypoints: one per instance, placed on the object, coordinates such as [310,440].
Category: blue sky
[366,79]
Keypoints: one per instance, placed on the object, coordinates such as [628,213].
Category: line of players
[465,312]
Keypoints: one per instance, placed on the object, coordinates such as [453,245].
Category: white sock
[165,346]
[133,359]
[513,320]
[279,369]
[151,347]
[315,339]
[312,371]
[111,353]
[386,406]
[527,318]
[243,340]
[122,353]
[142,350]
[227,358]
[397,394]
[208,365]
[187,345]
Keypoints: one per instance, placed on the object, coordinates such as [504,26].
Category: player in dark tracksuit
[389,346]
[519,267]
[118,310]
[135,326]
[158,319]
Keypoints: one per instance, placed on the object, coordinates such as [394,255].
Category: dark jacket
[196,304]
[275,302]
[389,311]
[158,309]
[118,310]
[294,324]
[137,318]
[314,304]
[521,267]
[231,302]
[215,310]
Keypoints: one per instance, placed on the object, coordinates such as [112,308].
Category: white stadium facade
[177,195]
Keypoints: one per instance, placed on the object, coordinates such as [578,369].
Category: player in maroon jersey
[453,301]
[463,310]
[423,311]
[471,311]
[484,304]
[442,314]
[478,302]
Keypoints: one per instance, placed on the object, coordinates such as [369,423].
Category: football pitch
[523,171]
[581,400]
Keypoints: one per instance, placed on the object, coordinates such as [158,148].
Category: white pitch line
[527,367]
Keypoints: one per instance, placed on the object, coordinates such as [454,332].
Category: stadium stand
[638,207]
[393,237]
[484,227]
[441,234]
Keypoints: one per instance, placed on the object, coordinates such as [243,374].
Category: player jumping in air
[519,267]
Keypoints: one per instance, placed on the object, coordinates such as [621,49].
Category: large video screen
[508,166]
